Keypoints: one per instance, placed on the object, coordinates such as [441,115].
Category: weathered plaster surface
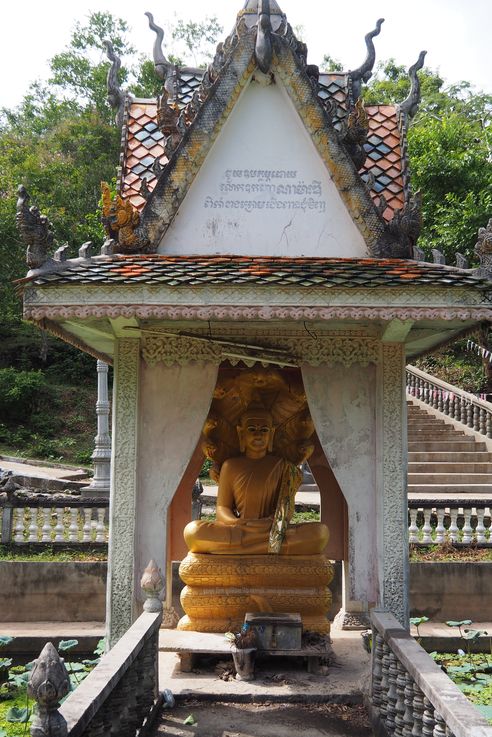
[174,402]
[121,579]
[270,196]
[342,404]
[392,512]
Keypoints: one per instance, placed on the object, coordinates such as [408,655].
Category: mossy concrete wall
[52,591]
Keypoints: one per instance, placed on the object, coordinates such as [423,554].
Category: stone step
[443,489]
[452,467]
[449,478]
[470,456]
[438,434]
[445,445]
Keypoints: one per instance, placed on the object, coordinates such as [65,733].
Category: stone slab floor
[264,720]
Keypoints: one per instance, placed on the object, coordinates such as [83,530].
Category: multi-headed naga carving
[120,220]
[35,230]
[401,233]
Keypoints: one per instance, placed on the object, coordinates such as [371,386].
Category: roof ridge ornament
[35,230]
[263,48]
[483,249]
[401,233]
[410,106]
[364,72]
[165,70]
[116,96]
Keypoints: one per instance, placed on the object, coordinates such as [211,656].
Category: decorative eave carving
[354,134]
[410,106]
[116,96]
[35,230]
[364,72]
[401,233]
[483,249]
[120,220]
[180,350]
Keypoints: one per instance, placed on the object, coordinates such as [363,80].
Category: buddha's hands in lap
[257,524]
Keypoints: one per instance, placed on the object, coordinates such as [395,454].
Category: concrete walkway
[44,477]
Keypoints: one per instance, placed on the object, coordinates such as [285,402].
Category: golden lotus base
[221,589]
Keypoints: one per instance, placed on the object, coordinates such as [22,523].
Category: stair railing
[410,694]
[452,401]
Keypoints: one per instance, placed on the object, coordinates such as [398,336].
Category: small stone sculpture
[48,684]
[35,230]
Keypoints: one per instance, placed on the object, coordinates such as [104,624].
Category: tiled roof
[145,144]
[384,157]
[332,86]
[189,271]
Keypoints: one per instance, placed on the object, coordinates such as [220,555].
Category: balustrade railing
[120,697]
[410,694]
[464,521]
[457,404]
[53,519]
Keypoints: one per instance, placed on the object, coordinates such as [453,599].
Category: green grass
[50,554]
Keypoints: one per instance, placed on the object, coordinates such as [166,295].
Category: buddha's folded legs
[216,538]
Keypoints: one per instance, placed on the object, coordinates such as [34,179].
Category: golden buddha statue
[252,558]
[255,500]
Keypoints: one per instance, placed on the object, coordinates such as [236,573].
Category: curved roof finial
[116,96]
[263,49]
[161,64]
[364,72]
[410,106]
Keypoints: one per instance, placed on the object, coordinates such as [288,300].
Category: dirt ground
[215,719]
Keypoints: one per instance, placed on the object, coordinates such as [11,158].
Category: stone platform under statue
[220,589]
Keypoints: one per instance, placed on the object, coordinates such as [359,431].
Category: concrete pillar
[123,495]
[101,456]
[392,513]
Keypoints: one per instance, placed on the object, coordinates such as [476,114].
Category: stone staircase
[442,460]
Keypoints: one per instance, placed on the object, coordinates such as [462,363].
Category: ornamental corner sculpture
[35,230]
[355,134]
[120,220]
[483,249]
[48,684]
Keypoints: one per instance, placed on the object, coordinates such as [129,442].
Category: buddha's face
[255,434]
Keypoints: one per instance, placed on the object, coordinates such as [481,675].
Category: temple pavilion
[263,217]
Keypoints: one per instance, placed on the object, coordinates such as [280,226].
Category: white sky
[456,33]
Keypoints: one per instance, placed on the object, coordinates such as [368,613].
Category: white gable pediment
[263,190]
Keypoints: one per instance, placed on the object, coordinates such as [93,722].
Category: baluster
[20,519]
[46,528]
[469,415]
[383,709]
[413,530]
[435,397]
[418,711]
[427,528]
[440,728]
[100,526]
[33,525]
[451,405]
[59,528]
[440,400]
[480,528]
[73,530]
[483,421]
[488,425]
[440,529]
[408,701]
[488,529]
[467,528]
[87,529]
[377,668]
[392,695]
[427,395]
[476,417]
[463,411]
[453,525]
[428,721]
[400,699]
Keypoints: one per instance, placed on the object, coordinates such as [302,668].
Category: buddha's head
[256,431]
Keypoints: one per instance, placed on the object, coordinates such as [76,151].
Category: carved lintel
[120,220]
[116,96]
[401,233]
[483,249]
[410,106]
[263,48]
[35,230]
[364,72]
